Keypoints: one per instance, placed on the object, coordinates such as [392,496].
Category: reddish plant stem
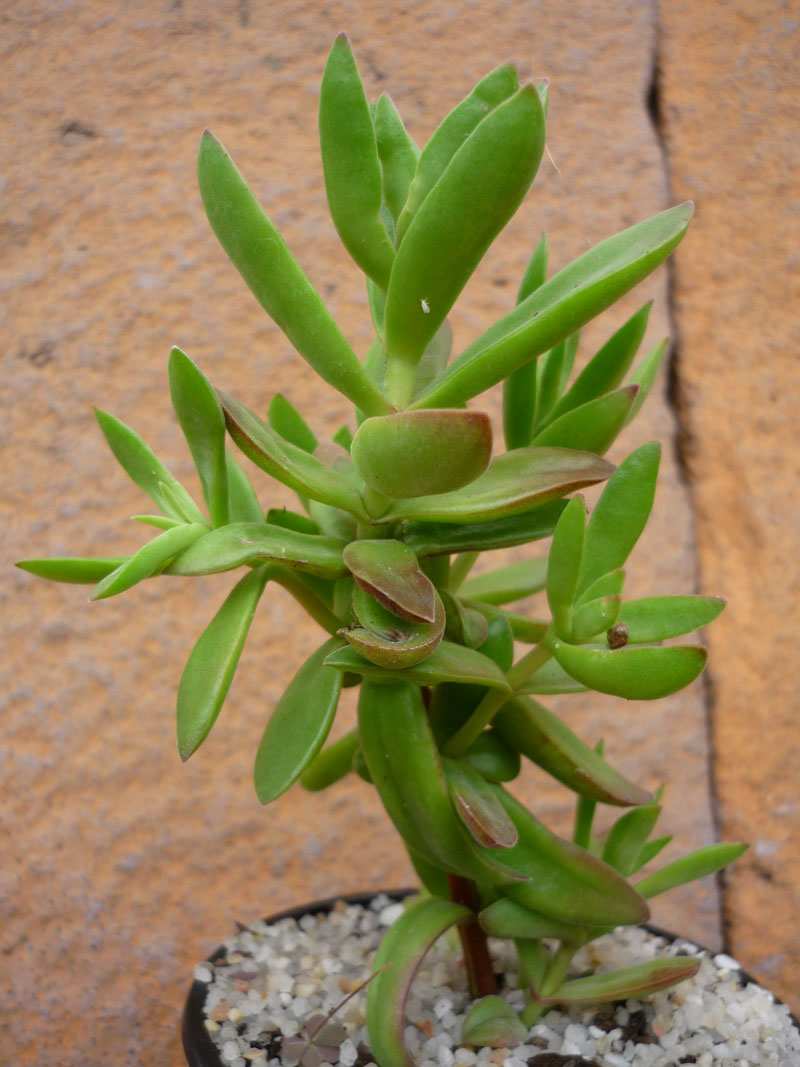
[482,982]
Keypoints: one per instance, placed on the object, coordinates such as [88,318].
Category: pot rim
[201,1051]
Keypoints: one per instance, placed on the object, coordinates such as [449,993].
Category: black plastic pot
[201,1051]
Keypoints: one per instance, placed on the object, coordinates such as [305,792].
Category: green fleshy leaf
[606,585]
[519,389]
[451,134]
[439,538]
[569,299]
[298,726]
[627,837]
[74,569]
[417,453]
[629,983]
[463,625]
[493,758]
[146,470]
[636,673]
[343,438]
[434,358]
[508,919]
[594,426]
[161,522]
[565,881]
[212,663]
[543,738]
[276,280]
[350,162]
[397,152]
[248,543]
[650,849]
[697,864]
[287,422]
[389,641]
[645,375]
[405,766]
[388,570]
[515,482]
[243,503]
[478,807]
[403,947]
[564,564]
[448,663]
[529,631]
[551,679]
[291,520]
[151,559]
[331,764]
[306,474]
[593,616]
[657,618]
[492,1022]
[200,416]
[608,367]
[620,515]
[506,584]
[447,238]
[552,371]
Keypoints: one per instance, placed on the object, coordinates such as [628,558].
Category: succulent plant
[391,520]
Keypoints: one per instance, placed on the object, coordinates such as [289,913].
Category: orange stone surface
[122,868]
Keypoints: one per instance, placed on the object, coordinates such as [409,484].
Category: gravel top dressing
[276,976]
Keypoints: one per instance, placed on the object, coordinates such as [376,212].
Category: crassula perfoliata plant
[392,515]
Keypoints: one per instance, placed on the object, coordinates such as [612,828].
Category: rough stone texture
[122,868]
[730,93]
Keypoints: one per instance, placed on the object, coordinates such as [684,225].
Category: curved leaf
[569,299]
[506,584]
[200,416]
[636,673]
[492,1022]
[417,453]
[543,738]
[506,918]
[519,388]
[477,806]
[210,668]
[564,563]
[388,570]
[275,278]
[298,726]
[448,237]
[440,539]
[594,426]
[628,983]
[565,881]
[697,864]
[645,375]
[307,475]
[148,472]
[73,569]
[151,559]
[331,764]
[627,837]
[397,152]
[403,948]
[607,368]
[448,663]
[243,503]
[515,482]
[242,543]
[657,618]
[620,514]
[389,641]
[288,423]
[451,134]
[351,166]
[405,766]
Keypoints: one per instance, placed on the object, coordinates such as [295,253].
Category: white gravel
[275,976]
